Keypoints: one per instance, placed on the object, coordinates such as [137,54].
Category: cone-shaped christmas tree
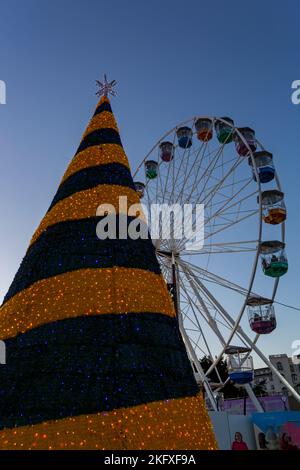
[94,356]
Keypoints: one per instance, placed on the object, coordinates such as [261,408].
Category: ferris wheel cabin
[185,137]
[261,315]
[264,166]
[204,128]
[166,151]
[242,148]
[274,211]
[239,365]
[151,167]
[274,259]
[224,130]
[140,188]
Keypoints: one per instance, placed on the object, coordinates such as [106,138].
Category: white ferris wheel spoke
[195,167]
[226,247]
[212,277]
[222,211]
[252,213]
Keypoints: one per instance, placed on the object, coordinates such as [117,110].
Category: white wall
[225,427]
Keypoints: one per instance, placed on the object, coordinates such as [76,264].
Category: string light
[97,155]
[103,120]
[180,424]
[85,292]
[84,204]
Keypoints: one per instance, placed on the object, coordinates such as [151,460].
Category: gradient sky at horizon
[172,60]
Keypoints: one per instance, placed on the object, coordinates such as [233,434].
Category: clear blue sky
[172,60]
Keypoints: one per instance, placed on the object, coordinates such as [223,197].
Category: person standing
[238,443]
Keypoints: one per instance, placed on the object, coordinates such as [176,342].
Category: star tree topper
[105,87]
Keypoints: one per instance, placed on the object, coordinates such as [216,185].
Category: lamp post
[220,401]
[284,398]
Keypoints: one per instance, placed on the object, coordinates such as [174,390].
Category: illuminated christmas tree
[95,359]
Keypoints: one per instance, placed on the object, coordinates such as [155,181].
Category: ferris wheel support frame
[248,387]
[250,343]
[240,332]
[200,329]
[190,350]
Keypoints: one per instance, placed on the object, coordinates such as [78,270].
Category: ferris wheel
[224,291]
